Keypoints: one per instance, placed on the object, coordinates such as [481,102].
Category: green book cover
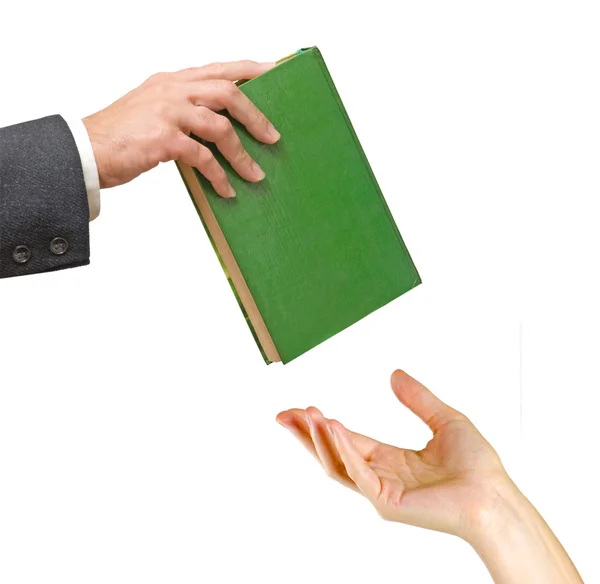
[314,243]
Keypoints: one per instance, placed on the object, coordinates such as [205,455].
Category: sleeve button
[21,254]
[59,246]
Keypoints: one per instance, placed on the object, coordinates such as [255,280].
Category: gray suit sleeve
[44,214]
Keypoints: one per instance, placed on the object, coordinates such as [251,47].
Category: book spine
[225,271]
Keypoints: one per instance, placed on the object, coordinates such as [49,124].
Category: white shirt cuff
[88,163]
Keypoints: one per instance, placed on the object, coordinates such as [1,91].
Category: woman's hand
[446,486]
[456,484]
[153,123]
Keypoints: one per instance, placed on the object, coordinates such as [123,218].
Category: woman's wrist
[514,541]
[495,512]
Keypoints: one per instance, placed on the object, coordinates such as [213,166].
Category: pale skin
[153,124]
[456,484]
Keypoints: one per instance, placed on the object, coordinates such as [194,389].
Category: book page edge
[230,263]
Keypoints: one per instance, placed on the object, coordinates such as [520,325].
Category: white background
[137,433]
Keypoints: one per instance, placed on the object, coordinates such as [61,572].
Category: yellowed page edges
[260,328]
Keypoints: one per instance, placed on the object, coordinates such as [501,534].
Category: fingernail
[273,132]
[258,171]
[230,192]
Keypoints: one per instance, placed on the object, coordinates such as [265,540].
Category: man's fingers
[218,129]
[234,71]
[419,400]
[363,476]
[245,112]
[326,449]
[192,153]
[218,95]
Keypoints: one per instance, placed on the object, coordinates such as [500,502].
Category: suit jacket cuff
[44,213]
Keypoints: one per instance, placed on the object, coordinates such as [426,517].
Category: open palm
[441,487]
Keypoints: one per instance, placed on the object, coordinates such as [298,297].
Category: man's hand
[153,123]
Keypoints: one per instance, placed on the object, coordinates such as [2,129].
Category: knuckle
[176,147]
[165,134]
[188,70]
[156,78]
[220,176]
[162,108]
[228,89]
[217,68]
[205,156]
[204,113]
[241,157]
[223,126]
[162,84]
[167,88]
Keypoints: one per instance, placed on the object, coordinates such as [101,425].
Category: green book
[313,247]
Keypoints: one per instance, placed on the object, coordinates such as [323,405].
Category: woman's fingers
[295,421]
[218,94]
[326,449]
[362,475]
[317,437]
[192,153]
[422,402]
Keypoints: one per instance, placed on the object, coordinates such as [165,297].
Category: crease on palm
[427,486]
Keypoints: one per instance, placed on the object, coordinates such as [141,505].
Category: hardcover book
[312,248]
